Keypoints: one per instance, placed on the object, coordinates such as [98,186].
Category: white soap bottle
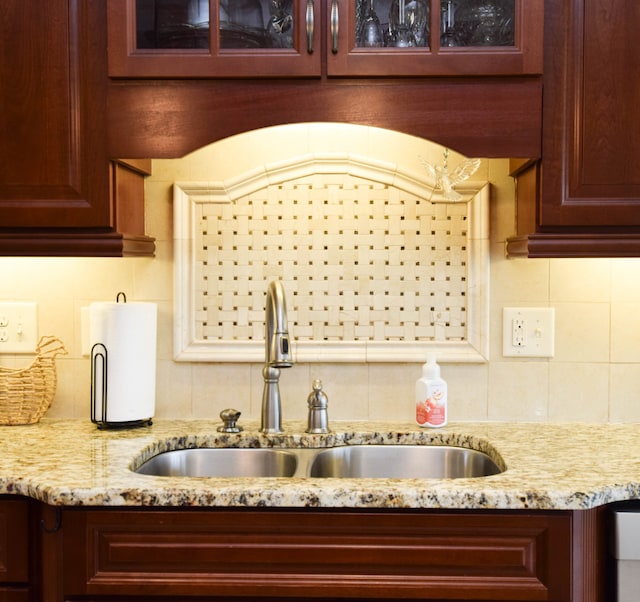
[431,396]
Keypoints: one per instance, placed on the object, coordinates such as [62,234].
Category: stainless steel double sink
[349,461]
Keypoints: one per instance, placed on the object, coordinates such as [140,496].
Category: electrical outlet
[528,331]
[18,327]
[518,332]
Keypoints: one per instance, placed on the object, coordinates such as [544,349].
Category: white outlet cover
[538,337]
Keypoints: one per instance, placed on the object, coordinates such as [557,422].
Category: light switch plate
[528,332]
[18,326]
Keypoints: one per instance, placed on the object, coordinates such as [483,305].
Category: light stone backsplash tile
[519,281]
[594,376]
[625,332]
[572,280]
[578,392]
[625,280]
[623,393]
[582,332]
[519,390]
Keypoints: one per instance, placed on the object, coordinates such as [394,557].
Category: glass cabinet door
[282,38]
[436,37]
[177,24]
[214,38]
[477,23]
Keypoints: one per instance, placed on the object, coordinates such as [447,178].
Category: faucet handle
[318,421]
[229,418]
[317,398]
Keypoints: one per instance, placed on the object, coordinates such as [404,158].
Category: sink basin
[351,461]
[402,462]
[221,462]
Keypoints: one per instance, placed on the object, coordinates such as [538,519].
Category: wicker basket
[27,393]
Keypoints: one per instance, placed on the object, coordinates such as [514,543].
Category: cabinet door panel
[305,553]
[591,150]
[49,129]
[349,55]
[14,539]
[8,594]
[244,42]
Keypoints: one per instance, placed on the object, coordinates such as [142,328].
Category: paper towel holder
[99,371]
[99,366]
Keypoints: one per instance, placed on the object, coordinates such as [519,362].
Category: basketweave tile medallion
[372,269]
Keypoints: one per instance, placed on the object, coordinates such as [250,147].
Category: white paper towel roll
[128,331]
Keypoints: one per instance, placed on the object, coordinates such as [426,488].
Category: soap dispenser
[431,396]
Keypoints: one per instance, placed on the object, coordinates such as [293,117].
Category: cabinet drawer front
[14,595]
[14,539]
[274,553]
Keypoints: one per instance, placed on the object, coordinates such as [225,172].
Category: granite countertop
[548,466]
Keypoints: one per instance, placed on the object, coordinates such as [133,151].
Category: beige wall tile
[519,390]
[174,390]
[468,387]
[625,332]
[582,332]
[519,281]
[578,392]
[392,391]
[624,393]
[217,387]
[625,279]
[577,280]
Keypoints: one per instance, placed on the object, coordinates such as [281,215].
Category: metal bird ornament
[446,181]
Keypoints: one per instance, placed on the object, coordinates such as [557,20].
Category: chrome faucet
[277,355]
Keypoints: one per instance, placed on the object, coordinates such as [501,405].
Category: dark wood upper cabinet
[211,38]
[88,86]
[293,38]
[476,37]
[58,186]
[583,199]
[185,73]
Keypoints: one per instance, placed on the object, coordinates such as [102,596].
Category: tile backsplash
[594,375]
[373,272]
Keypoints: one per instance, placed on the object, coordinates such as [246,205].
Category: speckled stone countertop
[548,466]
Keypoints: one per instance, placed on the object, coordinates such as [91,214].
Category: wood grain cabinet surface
[14,550]
[583,198]
[278,554]
[310,38]
[58,184]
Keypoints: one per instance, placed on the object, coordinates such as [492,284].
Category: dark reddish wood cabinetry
[583,198]
[14,550]
[59,190]
[64,118]
[482,101]
[323,40]
[249,554]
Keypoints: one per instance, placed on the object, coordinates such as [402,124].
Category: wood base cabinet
[15,550]
[315,554]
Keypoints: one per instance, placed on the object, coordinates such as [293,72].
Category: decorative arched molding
[190,199]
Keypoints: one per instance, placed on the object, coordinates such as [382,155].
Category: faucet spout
[277,348]
[277,355]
